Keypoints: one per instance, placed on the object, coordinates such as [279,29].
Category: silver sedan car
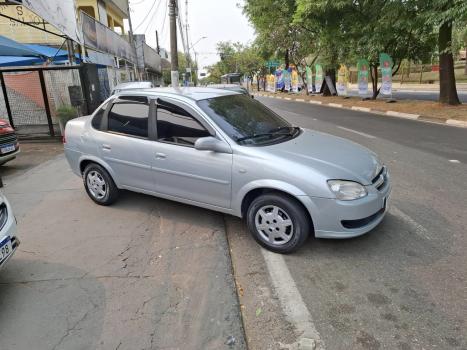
[225,151]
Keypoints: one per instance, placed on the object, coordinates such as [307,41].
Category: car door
[181,170]
[125,143]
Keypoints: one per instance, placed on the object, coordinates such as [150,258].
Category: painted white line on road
[287,98]
[299,100]
[419,229]
[316,102]
[357,132]
[454,161]
[361,109]
[290,298]
[337,105]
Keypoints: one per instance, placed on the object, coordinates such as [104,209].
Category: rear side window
[130,118]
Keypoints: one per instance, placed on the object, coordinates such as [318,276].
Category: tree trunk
[447,79]
[305,83]
[465,68]
[331,73]
[257,80]
[374,81]
[287,59]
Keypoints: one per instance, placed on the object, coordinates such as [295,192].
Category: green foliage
[66,113]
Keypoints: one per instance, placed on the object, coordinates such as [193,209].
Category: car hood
[332,156]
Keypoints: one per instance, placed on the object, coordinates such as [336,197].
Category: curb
[434,120]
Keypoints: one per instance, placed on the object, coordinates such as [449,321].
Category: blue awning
[10,47]
[9,61]
[48,51]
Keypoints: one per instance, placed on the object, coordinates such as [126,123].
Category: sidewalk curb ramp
[427,119]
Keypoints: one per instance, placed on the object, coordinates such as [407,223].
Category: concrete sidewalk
[142,274]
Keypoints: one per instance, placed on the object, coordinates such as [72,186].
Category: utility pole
[158,49]
[173,42]
[188,57]
[132,43]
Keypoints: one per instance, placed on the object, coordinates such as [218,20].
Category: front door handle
[160,156]
[106,147]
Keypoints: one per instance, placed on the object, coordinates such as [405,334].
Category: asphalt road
[402,286]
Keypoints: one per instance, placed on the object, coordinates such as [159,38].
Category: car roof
[133,85]
[192,93]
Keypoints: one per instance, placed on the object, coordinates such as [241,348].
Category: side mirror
[212,144]
[252,96]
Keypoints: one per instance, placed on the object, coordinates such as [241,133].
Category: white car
[8,240]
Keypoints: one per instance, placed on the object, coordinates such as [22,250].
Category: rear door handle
[106,147]
[160,156]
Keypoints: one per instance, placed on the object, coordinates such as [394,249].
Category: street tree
[444,14]
[348,30]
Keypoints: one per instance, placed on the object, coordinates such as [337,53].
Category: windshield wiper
[276,131]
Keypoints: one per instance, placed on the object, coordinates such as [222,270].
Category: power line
[155,13]
[163,21]
[147,15]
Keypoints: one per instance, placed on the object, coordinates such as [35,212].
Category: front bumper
[9,230]
[9,156]
[346,219]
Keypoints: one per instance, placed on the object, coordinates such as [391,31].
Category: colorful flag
[294,80]
[342,79]
[363,69]
[385,63]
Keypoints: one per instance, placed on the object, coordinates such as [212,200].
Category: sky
[218,20]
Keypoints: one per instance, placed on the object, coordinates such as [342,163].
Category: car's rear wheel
[278,222]
[99,185]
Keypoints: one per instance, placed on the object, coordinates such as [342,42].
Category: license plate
[5,249]
[7,149]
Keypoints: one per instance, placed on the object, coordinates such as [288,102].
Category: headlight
[347,190]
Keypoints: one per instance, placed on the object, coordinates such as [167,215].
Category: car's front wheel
[278,222]
[99,184]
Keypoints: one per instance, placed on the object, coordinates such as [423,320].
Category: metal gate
[31,95]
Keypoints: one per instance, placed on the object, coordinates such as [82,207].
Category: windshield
[247,121]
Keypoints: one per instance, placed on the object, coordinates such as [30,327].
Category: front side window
[130,118]
[246,121]
[175,125]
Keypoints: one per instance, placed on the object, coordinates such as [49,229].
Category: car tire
[99,185]
[278,223]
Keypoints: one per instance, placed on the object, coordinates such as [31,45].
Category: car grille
[3,215]
[8,139]
[380,180]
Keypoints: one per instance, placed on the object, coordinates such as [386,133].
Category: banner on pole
[294,80]
[385,63]
[309,79]
[342,80]
[279,79]
[363,69]
[287,80]
[319,77]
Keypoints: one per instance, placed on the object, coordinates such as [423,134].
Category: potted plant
[64,114]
